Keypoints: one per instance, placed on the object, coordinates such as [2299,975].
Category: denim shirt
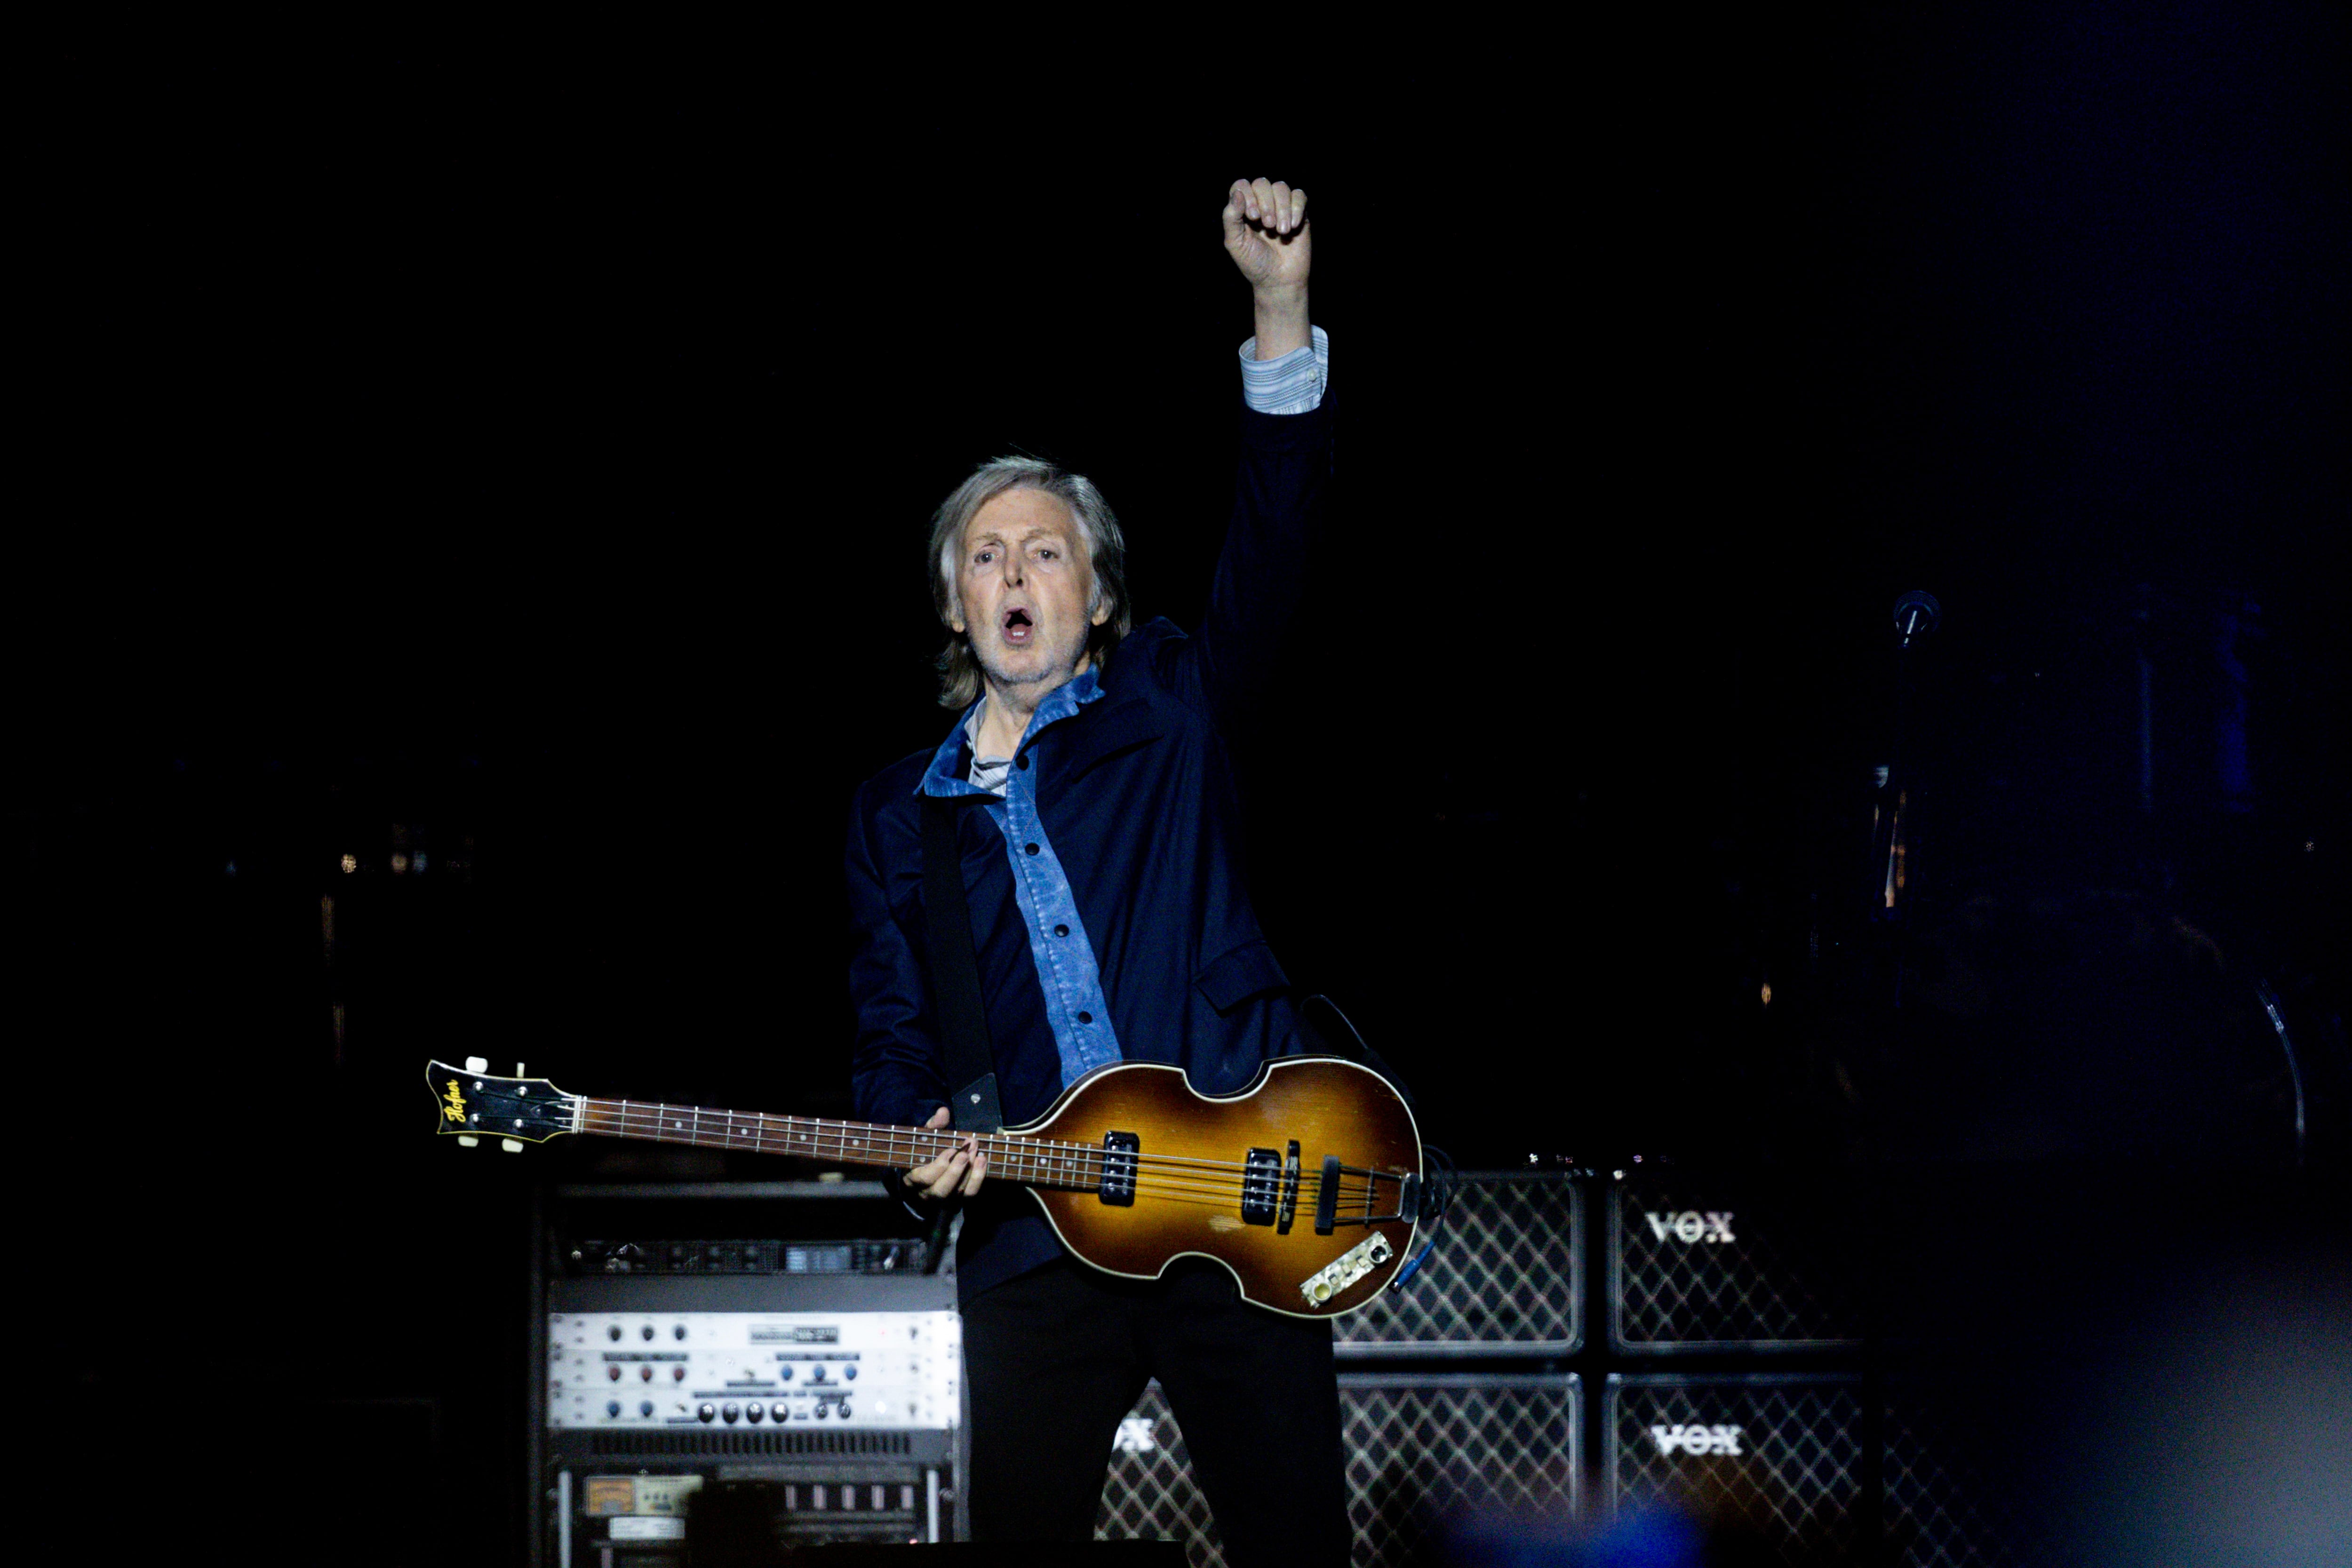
[1067,972]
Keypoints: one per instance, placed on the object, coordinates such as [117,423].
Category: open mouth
[1017,629]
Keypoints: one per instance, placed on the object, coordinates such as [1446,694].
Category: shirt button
[1029,848]
[1061,931]
[1086,1018]
[1022,762]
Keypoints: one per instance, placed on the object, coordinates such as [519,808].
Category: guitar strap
[1327,1031]
[955,975]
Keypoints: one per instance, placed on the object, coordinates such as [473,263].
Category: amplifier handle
[564,1519]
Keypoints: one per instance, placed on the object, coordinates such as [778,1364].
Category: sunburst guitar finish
[1307,1185]
[1189,1196]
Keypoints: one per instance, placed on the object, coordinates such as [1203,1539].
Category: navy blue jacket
[1137,792]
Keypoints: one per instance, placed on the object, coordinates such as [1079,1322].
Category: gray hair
[960,681]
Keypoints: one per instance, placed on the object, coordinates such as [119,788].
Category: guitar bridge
[1408,1197]
[1289,1210]
[1121,1156]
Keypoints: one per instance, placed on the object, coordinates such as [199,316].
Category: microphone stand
[1916,614]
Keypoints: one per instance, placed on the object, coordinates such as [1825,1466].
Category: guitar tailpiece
[1345,1269]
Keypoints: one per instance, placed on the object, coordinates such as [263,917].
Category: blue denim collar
[946,775]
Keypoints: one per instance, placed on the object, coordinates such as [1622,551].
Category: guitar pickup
[1121,1156]
[1261,1187]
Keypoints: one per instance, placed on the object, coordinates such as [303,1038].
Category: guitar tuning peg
[518,1070]
[511,1145]
[466,1140]
[478,1064]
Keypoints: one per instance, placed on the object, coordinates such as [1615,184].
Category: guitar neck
[1030,1162]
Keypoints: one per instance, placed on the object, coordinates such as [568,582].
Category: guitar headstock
[477,1103]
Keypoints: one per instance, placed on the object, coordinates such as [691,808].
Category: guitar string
[1164,1187]
[895,1142]
[1225,1179]
[1024,1160]
[1348,1202]
[880,1132]
[892,1138]
[1348,1195]
[892,1141]
[1019,1157]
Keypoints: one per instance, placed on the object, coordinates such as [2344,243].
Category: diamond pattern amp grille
[1149,1494]
[1423,1450]
[1696,1267]
[1942,1509]
[1775,1458]
[1506,1277]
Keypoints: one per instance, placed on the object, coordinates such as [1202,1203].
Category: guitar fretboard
[1031,1162]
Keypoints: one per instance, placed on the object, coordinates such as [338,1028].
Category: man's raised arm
[1285,457]
[1266,236]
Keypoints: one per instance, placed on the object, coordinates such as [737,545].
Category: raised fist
[1267,234]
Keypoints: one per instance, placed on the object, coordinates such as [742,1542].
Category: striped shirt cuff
[1291,384]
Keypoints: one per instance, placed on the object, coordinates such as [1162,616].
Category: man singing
[1098,838]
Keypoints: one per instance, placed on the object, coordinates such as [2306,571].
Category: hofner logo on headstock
[454,1103]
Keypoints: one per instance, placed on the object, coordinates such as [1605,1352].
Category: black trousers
[1057,1357]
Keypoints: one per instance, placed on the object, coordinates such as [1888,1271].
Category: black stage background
[520,465]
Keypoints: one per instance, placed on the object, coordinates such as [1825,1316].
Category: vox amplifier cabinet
[1703,1264]
[1436,1463]
[1951,1487]
[1506,1278]
[725,1370]
[1772,1461]
[1780,1462]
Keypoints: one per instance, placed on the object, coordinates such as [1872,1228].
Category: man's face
[1024,582]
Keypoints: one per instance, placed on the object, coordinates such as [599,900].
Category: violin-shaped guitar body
[1308,1185]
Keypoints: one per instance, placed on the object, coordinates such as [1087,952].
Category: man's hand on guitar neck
[961,1169]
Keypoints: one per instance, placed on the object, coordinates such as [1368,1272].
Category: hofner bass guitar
[1308,1185]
